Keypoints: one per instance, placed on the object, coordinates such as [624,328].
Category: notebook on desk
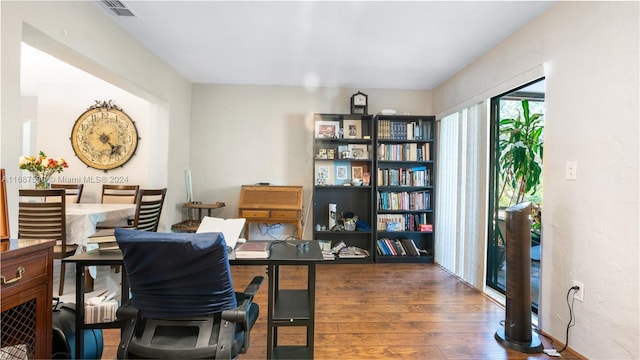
[230,228]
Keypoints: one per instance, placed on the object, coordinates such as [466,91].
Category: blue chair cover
[177,275]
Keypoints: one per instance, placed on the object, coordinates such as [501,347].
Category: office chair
[45,219]
[183,303]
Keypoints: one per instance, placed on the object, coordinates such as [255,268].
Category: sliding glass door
[516,149]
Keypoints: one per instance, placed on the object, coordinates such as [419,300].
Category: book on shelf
[398,247]
[255,249]
[353,252]
[325,247]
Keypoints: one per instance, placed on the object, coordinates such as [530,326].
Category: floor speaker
[516,332]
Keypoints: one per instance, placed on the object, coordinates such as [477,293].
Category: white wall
[80,34]
[242,135]
[589,51]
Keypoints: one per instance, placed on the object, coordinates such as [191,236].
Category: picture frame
[357,172]
[331,154]
[327,129]
[343,152]
[358,151]
[323,173]
[342,172]
[322,154]
[352,129]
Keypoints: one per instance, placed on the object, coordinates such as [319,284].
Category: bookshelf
[404,188]
[343,151]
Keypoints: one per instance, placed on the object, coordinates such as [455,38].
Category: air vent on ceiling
[117,7]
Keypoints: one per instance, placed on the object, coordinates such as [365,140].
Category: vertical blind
[462,178]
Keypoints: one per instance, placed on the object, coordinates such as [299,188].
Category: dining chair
[119,194]
[73,191]
[40,219]
[148,209]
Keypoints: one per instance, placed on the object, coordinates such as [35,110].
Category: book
[253,250]
[230,228]
[102,236]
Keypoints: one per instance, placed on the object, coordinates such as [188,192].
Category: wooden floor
[384,311]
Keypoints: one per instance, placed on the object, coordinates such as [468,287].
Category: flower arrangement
[42,167]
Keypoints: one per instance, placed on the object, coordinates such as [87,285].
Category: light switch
[570,170]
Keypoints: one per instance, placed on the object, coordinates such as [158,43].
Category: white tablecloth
[82,219]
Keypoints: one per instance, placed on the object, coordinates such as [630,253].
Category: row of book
[404,152]
[402,130]
[415,176]
[414,200]
[397,247]
[403,222]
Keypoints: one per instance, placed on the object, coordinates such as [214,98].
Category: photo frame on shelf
[322,154]
[342,172]
[327,129]
[331,154]
[358,151]
[352,129]
[324,173]
[357,172]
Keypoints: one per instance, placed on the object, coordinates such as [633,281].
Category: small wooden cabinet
[27,295]
[271,205]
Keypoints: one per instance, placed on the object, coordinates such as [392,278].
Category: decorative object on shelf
[42,168]
[359,103]
[104,137]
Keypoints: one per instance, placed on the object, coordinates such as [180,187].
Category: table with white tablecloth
[82,219]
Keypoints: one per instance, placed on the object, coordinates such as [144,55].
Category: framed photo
[359,151]
[331,154]
[322,154]
[324,173]
[352,129]
[327,129]
[356,172]
[342,172]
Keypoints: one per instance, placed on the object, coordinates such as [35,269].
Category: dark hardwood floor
[384,311]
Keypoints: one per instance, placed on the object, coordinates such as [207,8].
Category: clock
[104,137]
[359,103]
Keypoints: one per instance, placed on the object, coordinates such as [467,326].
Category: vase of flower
[41,168]
[42,181]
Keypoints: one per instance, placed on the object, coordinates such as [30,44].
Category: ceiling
[357,44]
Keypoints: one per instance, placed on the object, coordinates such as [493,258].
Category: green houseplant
[521,147]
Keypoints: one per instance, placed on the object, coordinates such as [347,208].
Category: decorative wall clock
[104,137]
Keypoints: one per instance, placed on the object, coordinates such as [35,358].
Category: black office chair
[183,303]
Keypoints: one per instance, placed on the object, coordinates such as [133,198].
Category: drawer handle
[19,273]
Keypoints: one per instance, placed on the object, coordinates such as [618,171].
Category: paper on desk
[230,228]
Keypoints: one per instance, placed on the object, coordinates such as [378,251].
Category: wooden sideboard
[271,205]
[26,297]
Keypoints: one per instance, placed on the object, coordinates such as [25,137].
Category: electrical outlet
[579,294]
[570,170]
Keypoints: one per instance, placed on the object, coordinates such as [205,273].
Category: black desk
[98,258]
[286,307]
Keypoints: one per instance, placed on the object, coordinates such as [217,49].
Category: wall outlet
[579,294]
[570,170]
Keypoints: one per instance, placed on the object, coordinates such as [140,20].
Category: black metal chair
[183,303]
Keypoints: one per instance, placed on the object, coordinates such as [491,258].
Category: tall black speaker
[516,332]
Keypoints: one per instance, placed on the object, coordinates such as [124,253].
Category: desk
[285,307]
[93,258]
[192,224]
[83,217]
[26,298]
[271,205]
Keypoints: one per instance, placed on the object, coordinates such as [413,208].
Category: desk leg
[80,278]
[272,332]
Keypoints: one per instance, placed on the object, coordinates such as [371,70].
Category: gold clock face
[104,138]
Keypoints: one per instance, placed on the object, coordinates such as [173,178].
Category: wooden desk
[271,205]
[26,297]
